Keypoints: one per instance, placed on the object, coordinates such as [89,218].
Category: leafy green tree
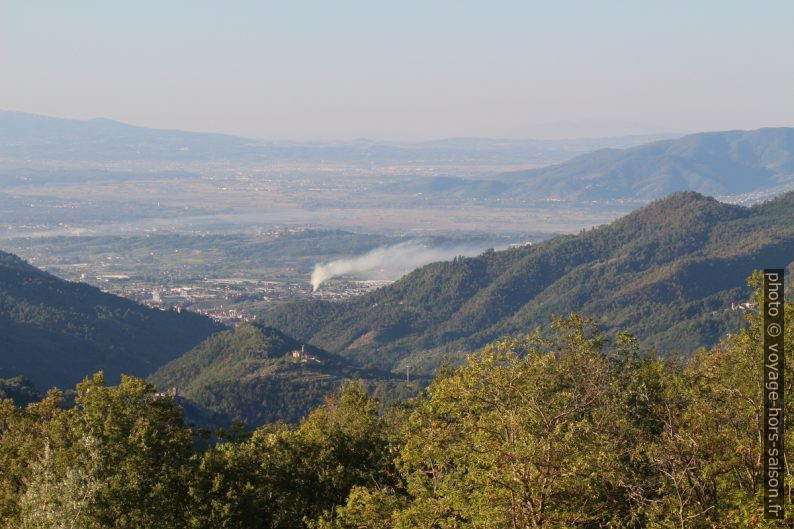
[58,498]
[710,452]
[524,435]
[116,459]
[230,489]
[286,476]
[366,508]
[25,434]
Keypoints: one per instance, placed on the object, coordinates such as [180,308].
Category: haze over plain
[411,70]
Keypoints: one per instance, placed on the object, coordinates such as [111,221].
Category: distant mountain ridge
[737,166]
[56,332]
[743,166]
[712,163]
[669,272]
[28,139]
[29,136]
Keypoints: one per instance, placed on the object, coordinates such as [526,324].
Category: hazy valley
[293,300]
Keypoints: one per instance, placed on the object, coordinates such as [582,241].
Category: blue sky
[403,70]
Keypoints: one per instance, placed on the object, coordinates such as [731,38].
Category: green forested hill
[56,332]
[250,374]
[669,271]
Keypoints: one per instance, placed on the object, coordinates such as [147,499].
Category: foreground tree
[527,434]
[284,476]
[116,459]
[710,452]
[24,438]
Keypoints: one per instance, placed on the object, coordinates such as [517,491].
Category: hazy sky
[404,69]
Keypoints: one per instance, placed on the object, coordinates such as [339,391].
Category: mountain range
[743,163]
[673,273]
[28,140]
[670,272]
[738,166]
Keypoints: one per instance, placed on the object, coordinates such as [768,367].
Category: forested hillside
[56,332]
[670,271]
[256,374]
[561,428]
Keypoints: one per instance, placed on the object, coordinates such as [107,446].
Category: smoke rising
[387,262]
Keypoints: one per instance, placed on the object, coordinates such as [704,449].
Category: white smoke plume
[387,262]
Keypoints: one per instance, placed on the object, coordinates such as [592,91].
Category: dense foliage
[560,428]
[55,332]
[669,271]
